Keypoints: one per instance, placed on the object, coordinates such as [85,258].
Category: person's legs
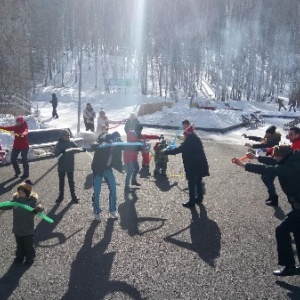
[164,168]
[192,188]
[61,178]
[268,180]
[29,248]
[129,171]
[70,176]
[20,251]
[92,127]
[13,160]
[111,183]
[199,188]
[96,196]
[146,158]
[136,169]
[24,154]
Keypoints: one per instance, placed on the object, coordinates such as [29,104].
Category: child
[102,123]
[105,159]
[130,158]
[65,150]
[161,160]
[23,222]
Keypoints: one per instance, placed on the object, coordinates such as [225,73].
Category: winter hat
[26,185]
[189,130]
[271,129]
[186,121]
[63,133]
[20,119]
[102,112]
[282,151]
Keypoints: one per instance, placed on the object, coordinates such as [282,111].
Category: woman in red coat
[21,145]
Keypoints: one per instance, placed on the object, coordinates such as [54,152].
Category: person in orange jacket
[21,145]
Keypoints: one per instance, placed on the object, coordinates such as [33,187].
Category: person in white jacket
[102,123]
[89,115]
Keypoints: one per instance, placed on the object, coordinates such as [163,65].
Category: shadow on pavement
[45,230]
[163,183]
[294,290]
[90,271]
[205,237]
[279,213]
[10,280]
[129,219]
[45,174]
[144,172]
[88,182]
[9,184]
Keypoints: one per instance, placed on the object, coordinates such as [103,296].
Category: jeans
[132,170]
[109,178]
[291,223]
[268,180]
[195,186]
[25,247]
[14,155]
[61,176]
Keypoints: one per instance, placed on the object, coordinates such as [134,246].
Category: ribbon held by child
[243,158]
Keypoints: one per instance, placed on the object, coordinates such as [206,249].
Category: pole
[79,88]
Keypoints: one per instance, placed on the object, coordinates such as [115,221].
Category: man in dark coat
[54,106]
[195,165]
[287,168]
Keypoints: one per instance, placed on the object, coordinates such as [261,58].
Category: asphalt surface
[224,249]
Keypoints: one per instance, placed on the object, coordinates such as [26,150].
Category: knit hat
[189,130]
[64,132]
[186,121]
[282,151]
[271,129]
[26,185]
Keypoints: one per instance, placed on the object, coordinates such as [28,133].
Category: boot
[272,201]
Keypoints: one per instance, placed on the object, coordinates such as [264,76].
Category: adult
[89,116]
[271,139]
[294,137]
[131,123]
[293,103]
[102,123]
[280,104]
[21,145]
[54,103]
[287,169]
[195,165]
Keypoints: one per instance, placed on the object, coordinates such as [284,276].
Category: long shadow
[88,182]
[205,237]
[45,174]
[10,280]
[90,271]
[45,231]
[9,184]
[279,213]
[163,183]
[129,219]
[294,290]
[144,173]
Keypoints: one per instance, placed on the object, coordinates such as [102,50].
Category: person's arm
[8,128]
[150,136]
[58,150]
[174,151]
[277,170]
[266,160]
[255,138]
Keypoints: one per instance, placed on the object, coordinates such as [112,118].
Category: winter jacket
[66,161]
[23,220]
[288,172]
[268,142]
[160,157]
[102,125]
[100,161]
[54,101]
[131,125]
[193,156]
[21,132]
[131,153]
[89,115]
[149,137]
[295,145]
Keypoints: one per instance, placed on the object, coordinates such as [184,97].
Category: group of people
[282,161]
[292,104]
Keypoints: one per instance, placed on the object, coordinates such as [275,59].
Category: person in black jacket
[106,158]
[271,139]
[195,164]
[287,168]
[54,103]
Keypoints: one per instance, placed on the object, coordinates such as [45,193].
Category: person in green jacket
[287,169]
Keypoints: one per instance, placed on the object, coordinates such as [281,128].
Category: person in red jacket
[21,145]
[294,137]
[130,157]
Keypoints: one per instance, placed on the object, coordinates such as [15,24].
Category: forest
[246,50]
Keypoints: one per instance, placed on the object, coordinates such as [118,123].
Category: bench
[47,138]
[291,124]
[254,120]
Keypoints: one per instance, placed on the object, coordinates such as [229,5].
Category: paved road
[224,249]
